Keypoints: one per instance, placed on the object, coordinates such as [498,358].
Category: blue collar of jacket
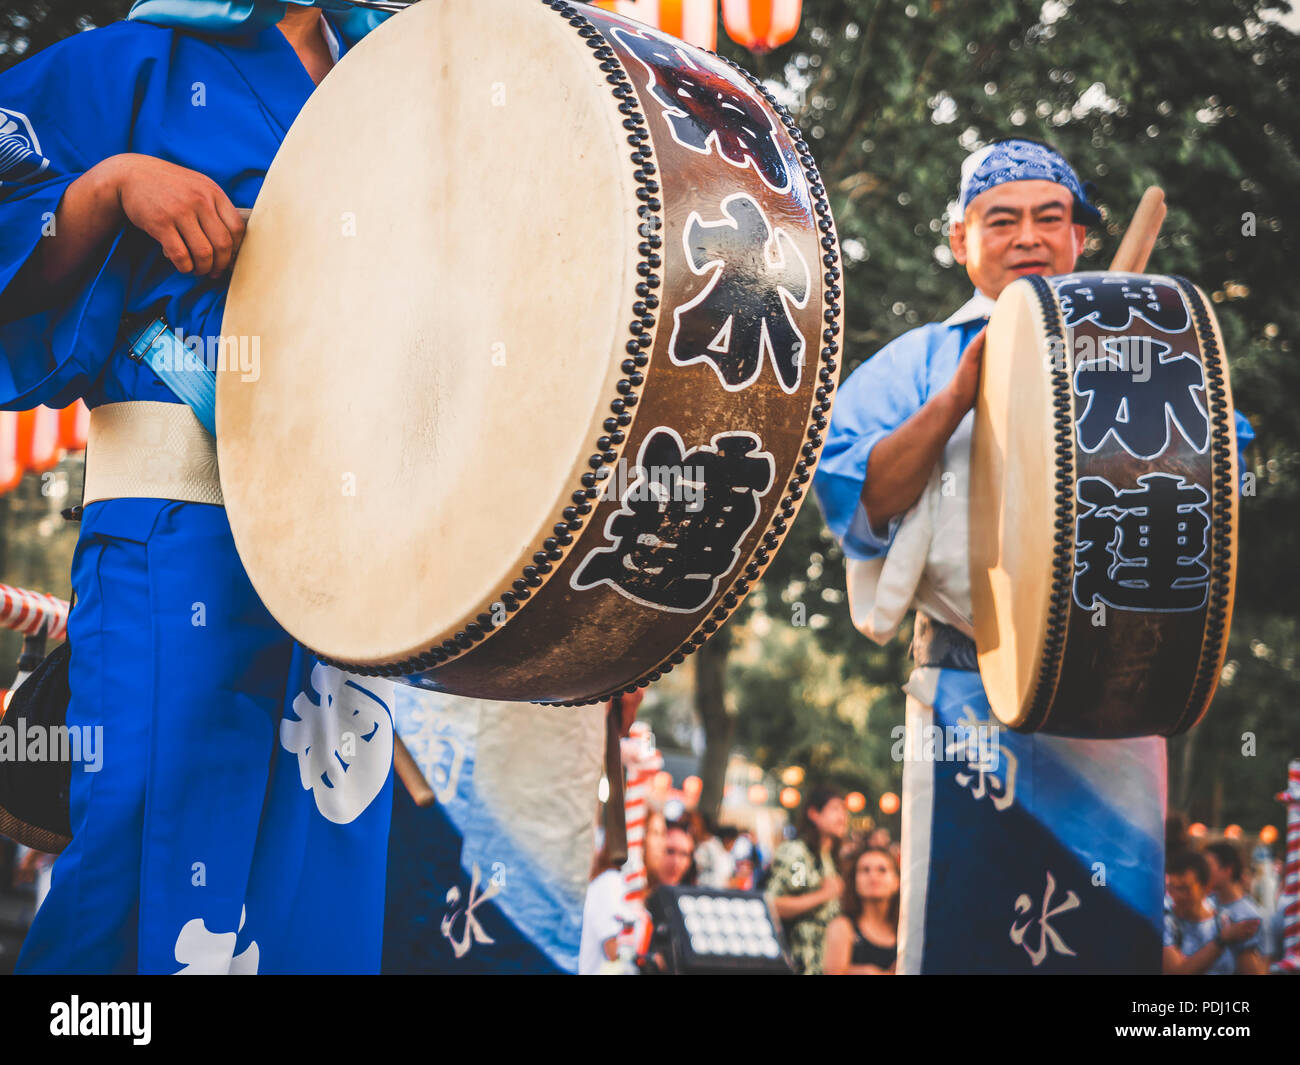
[244,17]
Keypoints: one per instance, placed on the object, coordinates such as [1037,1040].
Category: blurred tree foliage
[1198,98]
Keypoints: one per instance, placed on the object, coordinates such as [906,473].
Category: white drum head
[435,276]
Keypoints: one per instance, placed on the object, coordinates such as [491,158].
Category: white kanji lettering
[471,930]
[1048,937]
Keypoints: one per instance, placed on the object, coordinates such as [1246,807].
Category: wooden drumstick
[1140,237]
[615,815]
[409,774]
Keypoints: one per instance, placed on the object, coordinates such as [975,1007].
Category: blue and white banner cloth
[492,877]
[1025,853]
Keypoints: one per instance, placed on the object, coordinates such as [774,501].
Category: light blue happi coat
[239,821]
[1021,853]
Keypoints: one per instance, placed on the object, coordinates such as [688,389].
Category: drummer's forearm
[87,216]
[901,463]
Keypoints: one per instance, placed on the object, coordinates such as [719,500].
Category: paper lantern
[790,798]
[11,470]
[646,11]
[694,21]
[1232,832]
[761,25]
[889,803]
[793,775]
[1196,830]
[74,426]
[855,801]
[1268,835]
[38,439]
[757,795]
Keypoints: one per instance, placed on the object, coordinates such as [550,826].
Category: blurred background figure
[713,856]
[678,864]
[804,886]
[1197,942]
[745,862]
[1228,893]
[863,939]
[606,914]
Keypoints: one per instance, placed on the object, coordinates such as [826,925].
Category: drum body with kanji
[547,306]
[1103,505]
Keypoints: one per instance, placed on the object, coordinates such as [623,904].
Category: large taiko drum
[547,307]
[1103,506]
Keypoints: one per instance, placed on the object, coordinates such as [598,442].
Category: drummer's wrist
[953,406]
[105,181]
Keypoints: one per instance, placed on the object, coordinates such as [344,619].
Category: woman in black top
[863,940]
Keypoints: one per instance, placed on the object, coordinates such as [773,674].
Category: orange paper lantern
[74,426]
[38,439]
[646,11]
[855,801]
[11,470]
[1196,830]
[1268,835]
[790,798]
[694,21]
[889,803]
[1232,832]
[761,25]
[757,795]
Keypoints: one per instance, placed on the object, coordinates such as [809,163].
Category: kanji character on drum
[123,154]
[1050,850]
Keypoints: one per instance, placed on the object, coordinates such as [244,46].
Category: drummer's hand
[965,383]
[186,212]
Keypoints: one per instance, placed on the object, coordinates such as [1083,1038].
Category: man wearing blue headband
[1021,853]
[125,153]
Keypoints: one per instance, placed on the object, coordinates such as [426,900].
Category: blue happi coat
[1033,853]
[239,821]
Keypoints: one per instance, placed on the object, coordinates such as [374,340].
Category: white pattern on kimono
[344,743]
[204,953]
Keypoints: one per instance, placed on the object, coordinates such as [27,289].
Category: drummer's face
[1014,229]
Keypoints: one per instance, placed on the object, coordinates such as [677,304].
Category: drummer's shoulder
[112,46]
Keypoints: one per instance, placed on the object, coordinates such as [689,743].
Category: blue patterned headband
[354,20]
[1024,160]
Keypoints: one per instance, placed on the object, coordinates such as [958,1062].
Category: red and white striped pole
[1290,962]
[643,761]
[26,612]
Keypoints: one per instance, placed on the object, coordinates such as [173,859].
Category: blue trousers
[196,845]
